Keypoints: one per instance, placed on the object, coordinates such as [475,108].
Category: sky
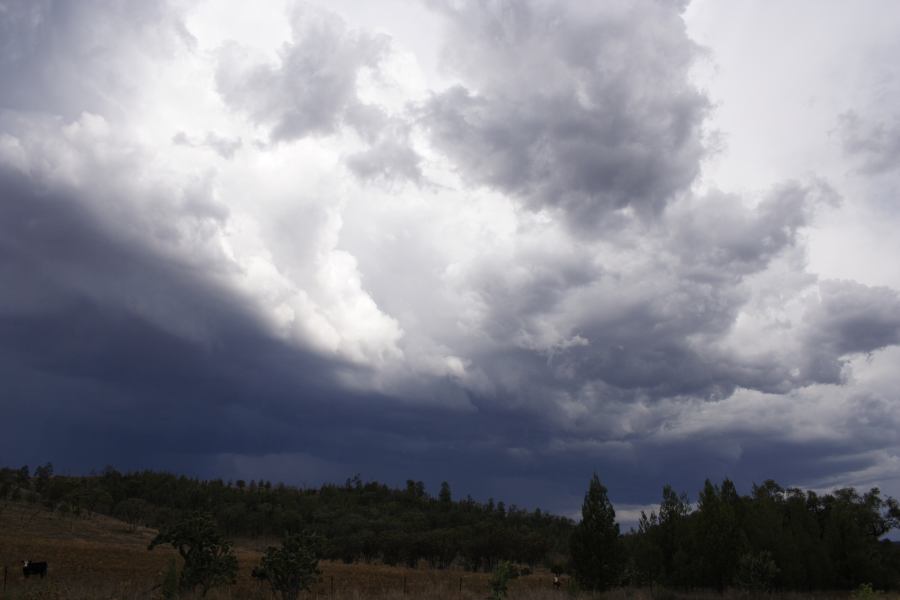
[502,244]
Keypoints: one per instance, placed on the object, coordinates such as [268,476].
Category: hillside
[375,536]
[96,556]
[361,522]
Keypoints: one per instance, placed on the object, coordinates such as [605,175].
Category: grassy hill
[100,557]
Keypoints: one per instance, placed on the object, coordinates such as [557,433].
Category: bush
[294,567]
[209,560]
[500,579]
[865,592]
[757,572]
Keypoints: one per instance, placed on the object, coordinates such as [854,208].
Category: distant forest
[773,538]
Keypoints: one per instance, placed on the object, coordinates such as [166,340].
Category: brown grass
[99,558]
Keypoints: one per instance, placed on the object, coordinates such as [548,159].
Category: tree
[294,567]
[133,511]
[595,542]
[674,538]
[757,572]
[500,579]
[43,474]
[444,495]
[721,539]
[209,560]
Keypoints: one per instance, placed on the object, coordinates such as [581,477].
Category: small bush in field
[501,578]
[294,567]
[209,560]
[865,592]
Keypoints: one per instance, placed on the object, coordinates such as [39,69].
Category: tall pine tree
[596,556]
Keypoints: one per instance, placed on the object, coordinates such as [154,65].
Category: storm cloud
[572,106]
[308,256]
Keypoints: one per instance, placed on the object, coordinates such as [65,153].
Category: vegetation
[774,538]
[770,540]
[357,521]
[208,559]
[503,573]
[292,568]
[595,542]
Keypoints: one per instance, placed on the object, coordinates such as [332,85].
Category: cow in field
[30,568]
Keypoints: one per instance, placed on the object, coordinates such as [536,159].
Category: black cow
[34,568]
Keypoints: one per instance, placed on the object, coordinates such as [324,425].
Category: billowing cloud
[571,106]
[311,257]
[875,145]
[313,85]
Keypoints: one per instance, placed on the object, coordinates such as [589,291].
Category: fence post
[460,586]
[404,585]
[332,587]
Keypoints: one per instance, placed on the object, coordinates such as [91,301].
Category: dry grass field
[100,558]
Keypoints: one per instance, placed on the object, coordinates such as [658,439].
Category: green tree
[674,537]
[595,542]
[294,567]
[209,560]
[43,475]
[721,540]
[757,572]
[134,511]
[444,495]
[500,578]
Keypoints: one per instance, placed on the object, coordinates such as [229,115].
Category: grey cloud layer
[68,57]
[569,105]
[875,145]
[243,306]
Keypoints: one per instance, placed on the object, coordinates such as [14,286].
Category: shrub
[292,568]
[865,592]
[500,579]
[757,572]
[209,560]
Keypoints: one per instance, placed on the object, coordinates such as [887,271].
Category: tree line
[773,538]
[356,521]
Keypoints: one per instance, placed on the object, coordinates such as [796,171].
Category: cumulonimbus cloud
[514,265]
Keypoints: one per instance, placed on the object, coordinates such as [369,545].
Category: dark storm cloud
[570,105]
[92,375]
[718,240]
[875,145]
[131,332]
[580,323]
[851,319]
